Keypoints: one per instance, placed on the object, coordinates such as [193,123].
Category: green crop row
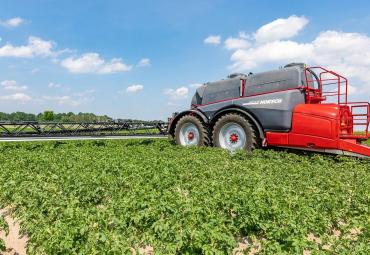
[109,197]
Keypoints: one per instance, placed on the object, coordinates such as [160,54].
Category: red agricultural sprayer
[295,107]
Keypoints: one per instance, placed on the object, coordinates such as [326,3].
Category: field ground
[113,197]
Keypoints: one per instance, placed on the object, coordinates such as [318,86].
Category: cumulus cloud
[12,86]
[177,94]
[232,43]
[281,29]
[19,97]
[9,50]
[35,47]
[86,63]
[347,53]
[13,22]
[40,47]
[93,63]
[213,39]
[134,88]
[144,62]
[270,52]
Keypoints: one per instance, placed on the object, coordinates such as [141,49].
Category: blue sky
[144,59]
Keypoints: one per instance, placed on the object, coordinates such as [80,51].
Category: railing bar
[332,95]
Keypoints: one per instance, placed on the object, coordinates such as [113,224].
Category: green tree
[48,115]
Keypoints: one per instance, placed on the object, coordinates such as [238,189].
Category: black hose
[317,79]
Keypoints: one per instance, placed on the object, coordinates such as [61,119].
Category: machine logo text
[266,101]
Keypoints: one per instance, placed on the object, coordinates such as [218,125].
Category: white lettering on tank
[266,101]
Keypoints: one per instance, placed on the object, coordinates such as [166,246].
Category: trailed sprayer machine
[295,107]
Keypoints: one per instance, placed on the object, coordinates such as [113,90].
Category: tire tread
[203,130]
[253,144]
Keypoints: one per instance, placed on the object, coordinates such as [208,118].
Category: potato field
[150,196]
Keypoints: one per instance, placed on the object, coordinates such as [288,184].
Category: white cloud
[177,94]
[9,50]
[12,86]
[346,53]
[144,62]
[180,93]
[54,85]
[13,22]
[213,39]
[281,29]
[93,63]
[134,88]
[113,66]
[19,97]
[278,51]
[35,47]
[232,43]
[40,47]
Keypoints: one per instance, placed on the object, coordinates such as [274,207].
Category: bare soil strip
[15,243]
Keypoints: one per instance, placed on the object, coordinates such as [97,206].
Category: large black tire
[239,121]
[203,139]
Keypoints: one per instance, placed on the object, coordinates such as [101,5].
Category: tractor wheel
[190,131]
[233,132]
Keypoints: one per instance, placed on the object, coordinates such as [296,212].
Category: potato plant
[110,197]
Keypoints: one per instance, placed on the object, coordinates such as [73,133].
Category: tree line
[51,116]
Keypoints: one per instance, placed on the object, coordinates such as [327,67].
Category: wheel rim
[189,135]
[232,137]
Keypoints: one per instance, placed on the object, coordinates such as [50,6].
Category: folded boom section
[45,129]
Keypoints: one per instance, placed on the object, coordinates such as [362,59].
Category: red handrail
[319,95]
[326,91]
